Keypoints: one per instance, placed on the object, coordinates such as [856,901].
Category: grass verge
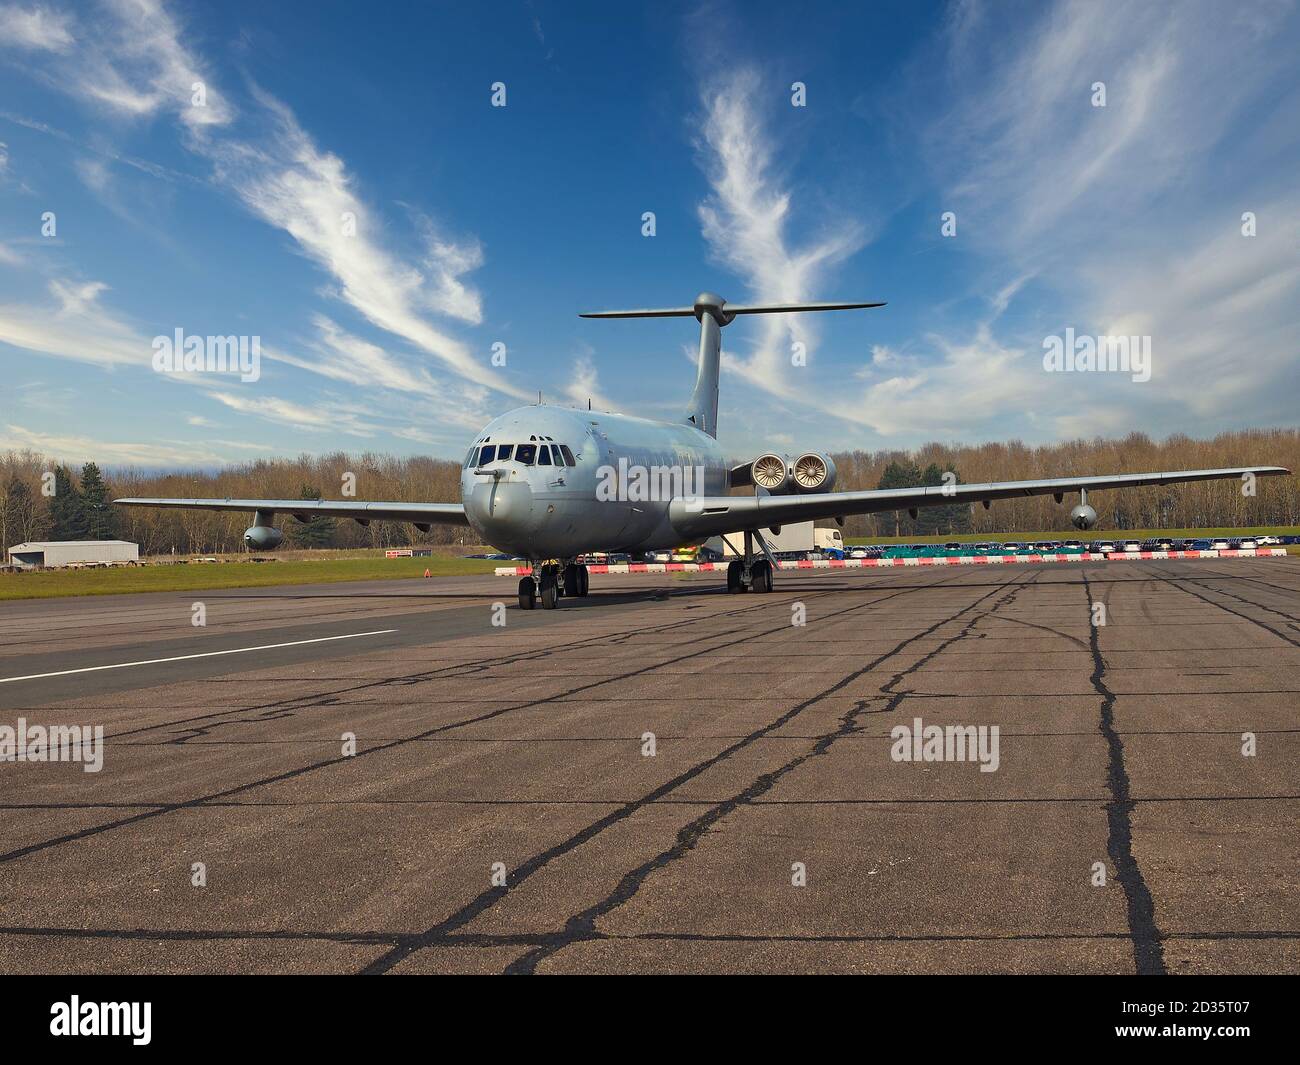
[197,577]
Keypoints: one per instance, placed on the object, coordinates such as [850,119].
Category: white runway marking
[205,654]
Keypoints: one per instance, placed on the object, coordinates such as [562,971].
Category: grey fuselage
[545,512]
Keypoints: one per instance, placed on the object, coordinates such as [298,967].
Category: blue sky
[478,225]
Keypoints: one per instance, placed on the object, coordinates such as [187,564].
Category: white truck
[801,538]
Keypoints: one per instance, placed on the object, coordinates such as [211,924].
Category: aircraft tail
[713,313]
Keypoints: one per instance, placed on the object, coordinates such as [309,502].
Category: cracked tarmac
[523,745]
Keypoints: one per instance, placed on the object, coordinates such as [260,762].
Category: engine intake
[814,472]
[771,473]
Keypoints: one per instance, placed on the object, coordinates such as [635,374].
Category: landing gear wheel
[527,594]
[572,587]
[734,583]
[583,581]
[762,576]
[550,589]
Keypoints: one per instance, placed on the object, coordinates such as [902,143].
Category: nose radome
[505,507]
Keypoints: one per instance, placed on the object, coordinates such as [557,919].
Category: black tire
[584,581]
[733,577]
[761,572]
[550,589]
[527,594]
[571,585]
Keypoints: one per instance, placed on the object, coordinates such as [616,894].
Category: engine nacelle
[814,472]
[1083,517]
[263,538]
[772,473]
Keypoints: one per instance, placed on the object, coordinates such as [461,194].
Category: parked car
[1102,547]
[1197,545]
[1220,545]
[1245,544]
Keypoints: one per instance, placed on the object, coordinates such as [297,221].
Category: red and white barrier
[881,563]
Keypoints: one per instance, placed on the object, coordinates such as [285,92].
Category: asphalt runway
[520,750]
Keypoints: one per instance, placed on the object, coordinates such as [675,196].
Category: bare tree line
[1207,504]
[158,532]
[24,513]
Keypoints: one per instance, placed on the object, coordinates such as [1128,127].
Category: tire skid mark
[487,899]
[290,774]
[279,711]
[1237,613]
[450,671]
[582,926]
[444,672]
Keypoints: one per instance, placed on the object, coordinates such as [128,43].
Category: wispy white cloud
[131,62]
[320,416]
[1027,157]
[1127,216]
[746,221]
[286,180]
[35,28]
[945,396]
[75,447]
[344,357]
[135,63]
[583,383]
[74,325]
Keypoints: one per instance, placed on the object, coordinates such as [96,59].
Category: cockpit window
[543,455]
[469,458]
[568,455]
[503,451]
[486,455]
[524,453]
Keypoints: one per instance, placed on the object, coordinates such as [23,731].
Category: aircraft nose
[502,508]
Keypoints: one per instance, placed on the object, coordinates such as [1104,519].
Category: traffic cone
[427,573]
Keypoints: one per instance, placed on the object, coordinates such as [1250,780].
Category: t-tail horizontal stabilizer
[713,312]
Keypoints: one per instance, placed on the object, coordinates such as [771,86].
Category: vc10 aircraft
[551,484]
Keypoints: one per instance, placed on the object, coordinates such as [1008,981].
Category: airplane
[551,484]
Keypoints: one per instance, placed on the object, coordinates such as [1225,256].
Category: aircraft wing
[711,515]
[306,509]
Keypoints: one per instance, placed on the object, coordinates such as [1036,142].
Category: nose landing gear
[549,582]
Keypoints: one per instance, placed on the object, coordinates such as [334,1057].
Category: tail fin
[713,312]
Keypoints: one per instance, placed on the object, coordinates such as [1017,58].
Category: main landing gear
[749,574]
[549,582]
